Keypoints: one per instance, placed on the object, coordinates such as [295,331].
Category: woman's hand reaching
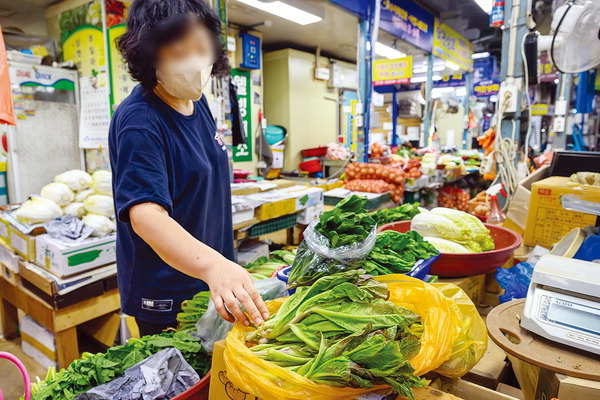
[229,284]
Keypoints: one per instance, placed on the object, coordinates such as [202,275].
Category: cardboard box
[274,209]
[61,293]
[38,342]
[69,259]
[4,224]
[470,391]
[309,214]
[547,220]
[251,251]
[542,384]
[473,286]
[516,215]
[9,258]
[490,370]
[306,197]
[23,244]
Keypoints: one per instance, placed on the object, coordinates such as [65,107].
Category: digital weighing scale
[563,302]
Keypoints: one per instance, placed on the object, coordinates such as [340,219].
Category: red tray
[197,392]
[458,265]
[316,152]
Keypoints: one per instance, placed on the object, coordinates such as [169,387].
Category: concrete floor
[11,382]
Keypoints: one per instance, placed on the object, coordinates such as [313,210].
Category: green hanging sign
[241,79]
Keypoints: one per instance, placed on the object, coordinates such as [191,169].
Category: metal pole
[363,74]
[469,89]
[428,99]
[512,62]
[563,91]
[395,117]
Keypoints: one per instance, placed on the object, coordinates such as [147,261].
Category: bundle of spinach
[347,223]
[404,212]
[347,226]
[397,253]
[96,369]
[341,331]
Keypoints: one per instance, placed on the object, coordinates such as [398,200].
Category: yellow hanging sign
[85,46]
[452,46]
[392,72]
[121,82]
[539,109]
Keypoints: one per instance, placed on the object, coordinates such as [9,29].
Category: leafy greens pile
[341,331]
[347,223]
[347,226]
[397,253]
[192,310]
[404,212]
[96,369]
[264,267]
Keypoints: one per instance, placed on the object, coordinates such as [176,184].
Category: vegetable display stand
[197,392]
[63,323]
[459,265]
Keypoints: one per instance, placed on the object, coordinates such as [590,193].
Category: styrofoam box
[65,259]
[308,215]
[10,259]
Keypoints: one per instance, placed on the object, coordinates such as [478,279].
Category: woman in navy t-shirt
[171,173]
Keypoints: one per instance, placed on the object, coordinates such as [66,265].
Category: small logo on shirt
[157,305]
[219,140]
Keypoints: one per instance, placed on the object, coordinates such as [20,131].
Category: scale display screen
[574,315]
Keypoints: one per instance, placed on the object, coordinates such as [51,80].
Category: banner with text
[241,78]
[408,21]
[392,72]
[452,46]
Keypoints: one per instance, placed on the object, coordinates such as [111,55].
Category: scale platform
[504,327]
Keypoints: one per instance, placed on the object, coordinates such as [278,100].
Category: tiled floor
[11,382]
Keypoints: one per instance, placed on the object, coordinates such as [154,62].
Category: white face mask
[187,78]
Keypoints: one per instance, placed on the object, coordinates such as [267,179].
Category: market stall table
[62,323]
[503,324]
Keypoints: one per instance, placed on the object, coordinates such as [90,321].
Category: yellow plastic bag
[441,318]
[471,343]
[268,381]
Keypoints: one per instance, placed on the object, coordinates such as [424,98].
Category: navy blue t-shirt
[161,156]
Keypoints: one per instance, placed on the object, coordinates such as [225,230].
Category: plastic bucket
[197,392]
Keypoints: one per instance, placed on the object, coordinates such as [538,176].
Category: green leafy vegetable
[342,332]
[347,223]
[402,213]
[397,253]
[92,370]
[455,226]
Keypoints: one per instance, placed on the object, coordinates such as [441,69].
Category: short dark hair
[155,23]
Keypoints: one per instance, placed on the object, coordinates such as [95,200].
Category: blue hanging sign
[486,88]
[408,21]
[454,80]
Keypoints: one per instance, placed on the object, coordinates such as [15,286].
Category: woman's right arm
[228,282]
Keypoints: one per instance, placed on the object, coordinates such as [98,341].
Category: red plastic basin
[197,392]
[458,265]
[311,166]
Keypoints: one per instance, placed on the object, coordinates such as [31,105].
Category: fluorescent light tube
[451,65]
[419,70]
[285,11]
[486,5]
[437,77]
[385,51]
[439,67]
[418,79]
[477,56]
